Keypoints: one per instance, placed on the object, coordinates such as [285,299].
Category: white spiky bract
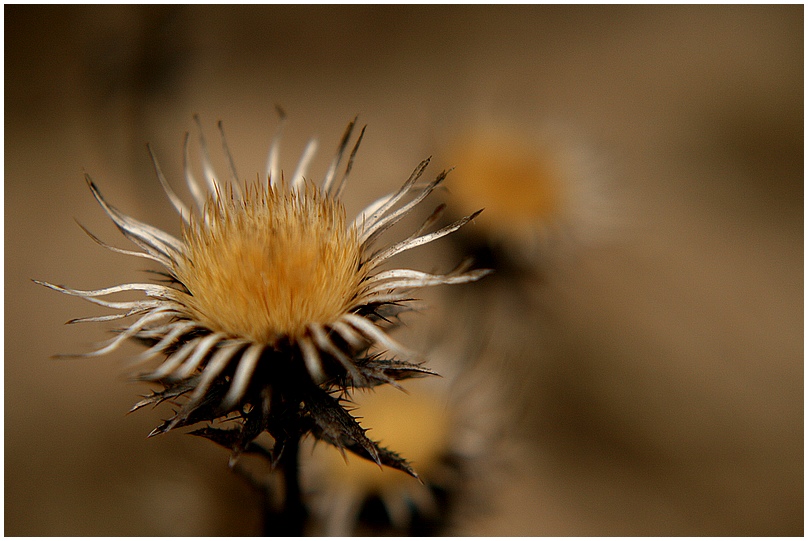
[263,264]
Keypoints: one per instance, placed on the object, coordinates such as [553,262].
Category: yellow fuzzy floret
[518,184]
[264,266]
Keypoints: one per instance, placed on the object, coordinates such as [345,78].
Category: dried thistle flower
[275,306]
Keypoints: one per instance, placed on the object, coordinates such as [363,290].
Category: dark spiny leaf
[226,437]
[237,440]
[207,408]
[333,424]
[158,397]
[386,457]
[380,371]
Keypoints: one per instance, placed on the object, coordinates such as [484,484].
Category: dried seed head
[273,271]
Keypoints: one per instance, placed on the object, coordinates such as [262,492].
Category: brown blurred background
[664,390]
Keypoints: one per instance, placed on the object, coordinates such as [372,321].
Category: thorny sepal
[235,440]
[289,412]
[206,409]
[286,416]
[241,438]
[386,458]
[379,371]
[333,424]
[158,397]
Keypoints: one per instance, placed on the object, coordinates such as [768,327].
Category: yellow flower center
[519,185]
[266,265]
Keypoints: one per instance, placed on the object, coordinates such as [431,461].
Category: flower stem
[293,513]
[288,518]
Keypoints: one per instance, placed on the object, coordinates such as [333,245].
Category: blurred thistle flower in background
[273,307]
[542,192]
[547,201]
[453,429]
